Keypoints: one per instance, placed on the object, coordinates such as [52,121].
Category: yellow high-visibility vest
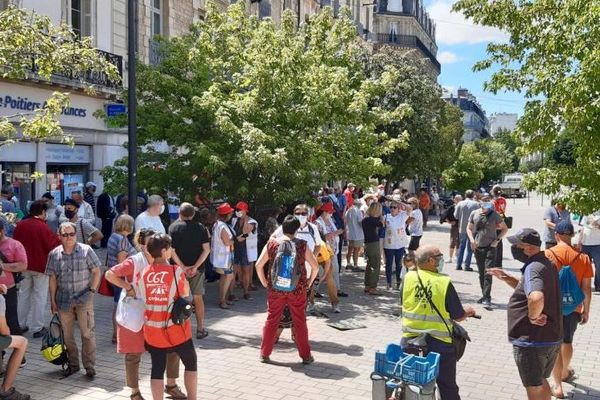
[417,314]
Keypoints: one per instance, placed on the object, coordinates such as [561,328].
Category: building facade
[507,121]
[476,123]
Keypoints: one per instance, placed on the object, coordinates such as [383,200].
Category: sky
[460,45]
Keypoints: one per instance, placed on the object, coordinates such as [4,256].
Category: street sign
[112,110]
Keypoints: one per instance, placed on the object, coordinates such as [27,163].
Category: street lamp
[131,107]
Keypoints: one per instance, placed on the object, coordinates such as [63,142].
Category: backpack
[570,291]
[53,344]
[285,270]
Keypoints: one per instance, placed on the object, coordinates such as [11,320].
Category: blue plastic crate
[418,370]
[385,363]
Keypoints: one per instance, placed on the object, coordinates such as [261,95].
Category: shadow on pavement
[335,348]
[319,370]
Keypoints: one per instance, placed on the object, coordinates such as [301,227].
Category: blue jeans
[464,244]
[392,255]
[594,253]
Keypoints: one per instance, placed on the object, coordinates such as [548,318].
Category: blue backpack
[570,291]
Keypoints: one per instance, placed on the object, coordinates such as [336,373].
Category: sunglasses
[66,235]
[300,213]
[393,207]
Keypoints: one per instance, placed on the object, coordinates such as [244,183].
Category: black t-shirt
[188,238]
[538,275]
[371,227]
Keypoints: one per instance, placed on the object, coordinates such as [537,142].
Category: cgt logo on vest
[155,282]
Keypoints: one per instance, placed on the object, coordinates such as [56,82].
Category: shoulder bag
[459,335]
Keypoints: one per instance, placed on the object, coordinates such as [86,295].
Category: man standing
[38,240]
[355,234]
[84,209]
[462,212]
[500,207]
[554,214]
[191,247]
[419,317]
[151,217]
[561,255]
[6,194]
[74,271]
[89,195]
[86,232]
[534,314]
[454,235]
[424,205]
[107,213]
[485,230]
[53,213]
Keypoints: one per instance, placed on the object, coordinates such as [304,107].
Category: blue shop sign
[112,110]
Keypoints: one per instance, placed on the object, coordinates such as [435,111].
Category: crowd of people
[52,253]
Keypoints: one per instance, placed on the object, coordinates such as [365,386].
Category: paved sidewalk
[228,358]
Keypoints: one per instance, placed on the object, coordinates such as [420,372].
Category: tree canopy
[466,172]
[552,56]
[250,110]
[31,46]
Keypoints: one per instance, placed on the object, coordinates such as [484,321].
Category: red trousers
[276,302]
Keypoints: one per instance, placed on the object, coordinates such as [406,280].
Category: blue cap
[564,228]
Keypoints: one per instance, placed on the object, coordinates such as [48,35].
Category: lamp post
[131,107]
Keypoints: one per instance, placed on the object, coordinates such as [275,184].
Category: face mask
[302,219]
[162,209]
[519,254]
[381,192]
[487,206]
[69,214]
[239,214]
[440,265]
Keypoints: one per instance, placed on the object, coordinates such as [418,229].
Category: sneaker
[342,294]
[449,261]
[308,360]
[23,363]
[336,309]
[487,303]
[389,287]
[90,372]
[398,284]
[70,371]
[481,300]
[12,394]
[469,269]
[458,268]
[264,359]
[41,333]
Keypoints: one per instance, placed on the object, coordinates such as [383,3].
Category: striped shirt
[73,273]
[117,243]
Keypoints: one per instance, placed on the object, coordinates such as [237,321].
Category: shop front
[67,169]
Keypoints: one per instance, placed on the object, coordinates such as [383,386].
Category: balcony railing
[77,78]
[412,42]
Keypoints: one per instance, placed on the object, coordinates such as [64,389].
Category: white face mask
[303,219]
[440,265]
[162,209]
[239,214]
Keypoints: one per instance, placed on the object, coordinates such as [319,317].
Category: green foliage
[497,159]
[554,59]
[25,36]
[466,172]
[434,129]
[249,110]
[511,141]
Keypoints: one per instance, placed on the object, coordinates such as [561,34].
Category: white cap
[90,184]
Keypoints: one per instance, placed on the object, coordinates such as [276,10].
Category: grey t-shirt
[555,217]
[462,211]
[88,230]
[485,226]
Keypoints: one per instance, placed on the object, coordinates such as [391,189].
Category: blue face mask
[440,265]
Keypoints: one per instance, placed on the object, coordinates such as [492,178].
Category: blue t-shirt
[555,217]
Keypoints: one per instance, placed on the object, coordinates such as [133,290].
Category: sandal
[136,396]
[552,389]
[571,376]
[224,305]
[69,371]
[232,298]
[374,292]
[201,334]
[175,392]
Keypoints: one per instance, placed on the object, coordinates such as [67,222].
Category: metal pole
[131,107]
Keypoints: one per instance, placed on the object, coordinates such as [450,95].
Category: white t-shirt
[416,226]
[395,231]
[311,236]
[354,230]
[591,229]
[149,222]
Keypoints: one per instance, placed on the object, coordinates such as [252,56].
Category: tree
[496,159]
[434,128]
[249,110]
[466,172]
[552,57]
[511,141]
[30,46]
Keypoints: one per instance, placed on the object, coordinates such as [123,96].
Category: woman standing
[118,249]
[415,227]
[589,243]
[221,252]
[161,286]
[245,247]
[395,241]
[126,275]
[371,225]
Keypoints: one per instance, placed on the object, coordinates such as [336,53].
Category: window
[81,17]
[156,16]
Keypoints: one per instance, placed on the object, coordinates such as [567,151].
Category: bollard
[379,389]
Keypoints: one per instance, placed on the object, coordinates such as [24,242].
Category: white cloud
[452,28]
[447,57]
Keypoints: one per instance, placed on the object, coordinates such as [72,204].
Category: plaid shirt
[73,273]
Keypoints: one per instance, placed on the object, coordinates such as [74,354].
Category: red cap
[327,207]
[224,209]
[242,205]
